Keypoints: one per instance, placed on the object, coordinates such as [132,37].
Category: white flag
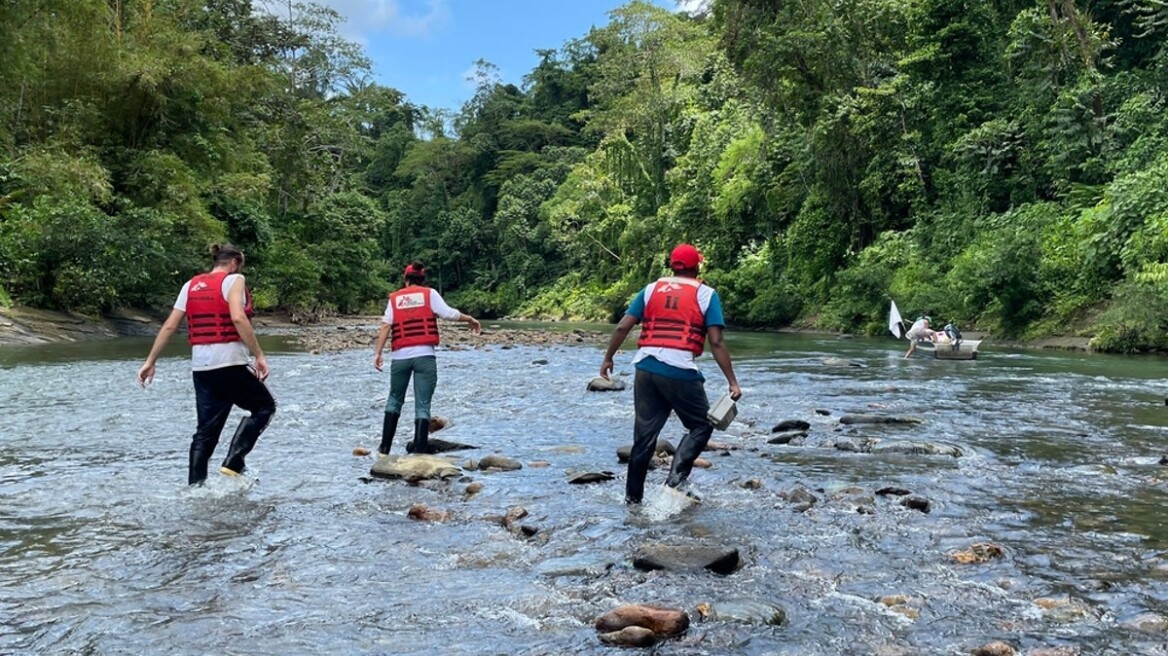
[894,320]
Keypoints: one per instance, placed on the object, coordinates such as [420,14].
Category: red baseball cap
[412,270]
[684,256]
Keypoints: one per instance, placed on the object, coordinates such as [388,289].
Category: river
[104,550]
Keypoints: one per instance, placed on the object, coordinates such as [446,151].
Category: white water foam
[662,502]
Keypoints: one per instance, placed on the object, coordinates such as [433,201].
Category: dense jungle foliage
[996,163]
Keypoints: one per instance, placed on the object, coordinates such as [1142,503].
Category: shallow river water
[104,550]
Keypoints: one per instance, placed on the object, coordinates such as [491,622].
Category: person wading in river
[217,307]
[679,314]
[410,324]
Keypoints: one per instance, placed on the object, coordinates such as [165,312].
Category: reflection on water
[104,550]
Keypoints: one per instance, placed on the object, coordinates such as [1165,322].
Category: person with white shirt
[679,313]
[217,308]
[410,325]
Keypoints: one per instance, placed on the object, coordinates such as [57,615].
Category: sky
[427,48]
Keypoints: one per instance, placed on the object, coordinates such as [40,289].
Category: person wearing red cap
[410,325]
[679,314]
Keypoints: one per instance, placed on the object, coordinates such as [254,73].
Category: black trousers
[216,391]
[654,397]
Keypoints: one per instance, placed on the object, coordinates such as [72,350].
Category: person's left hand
[735,392]
[475,326]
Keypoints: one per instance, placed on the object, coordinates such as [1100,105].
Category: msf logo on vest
[409,301]
[669,287]
[199,286]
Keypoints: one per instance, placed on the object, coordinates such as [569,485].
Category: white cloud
[398,17]
[694,7]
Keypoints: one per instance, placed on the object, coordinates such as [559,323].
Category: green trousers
[425,373]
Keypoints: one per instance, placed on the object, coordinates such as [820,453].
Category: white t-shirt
[919,331]
[440,309]
[205,357]
[679,358]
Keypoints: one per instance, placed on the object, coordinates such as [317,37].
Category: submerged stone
[785,437]
[878,419]
[746,610]
[916,448]
[722,560]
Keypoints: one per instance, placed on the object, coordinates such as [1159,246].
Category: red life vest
[673,317]
[414,323]
[208,313]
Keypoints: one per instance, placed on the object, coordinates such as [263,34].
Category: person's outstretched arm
[614,343]
[722,357]
[475,326]
[169,327]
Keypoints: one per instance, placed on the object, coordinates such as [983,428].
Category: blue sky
[427,48]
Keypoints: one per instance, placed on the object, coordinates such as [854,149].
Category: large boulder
[414,467]
[721,560]
[662,621]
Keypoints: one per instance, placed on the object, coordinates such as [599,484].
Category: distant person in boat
[920,332]
[410,325]
[217,307]
[679,314]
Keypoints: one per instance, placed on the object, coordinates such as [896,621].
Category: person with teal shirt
[679,314]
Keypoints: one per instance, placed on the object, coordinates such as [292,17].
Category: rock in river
[662,621]
[878,419]
[791,425]
[915,448]
[591,477]
[630,636]
[499,462]
[414,467]
[601,384]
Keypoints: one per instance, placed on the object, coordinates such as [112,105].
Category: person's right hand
[146,374]
[735,392]
[605,369]
[261,367]
[475,326]
[377,361]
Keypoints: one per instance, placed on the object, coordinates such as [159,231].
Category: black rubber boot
[421,441]
[688,451]
[388,430]
[197,469]
[242,443]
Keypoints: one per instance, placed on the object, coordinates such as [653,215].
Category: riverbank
[27,326]
[22,325]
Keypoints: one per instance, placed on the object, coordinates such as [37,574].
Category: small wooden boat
[945,347]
